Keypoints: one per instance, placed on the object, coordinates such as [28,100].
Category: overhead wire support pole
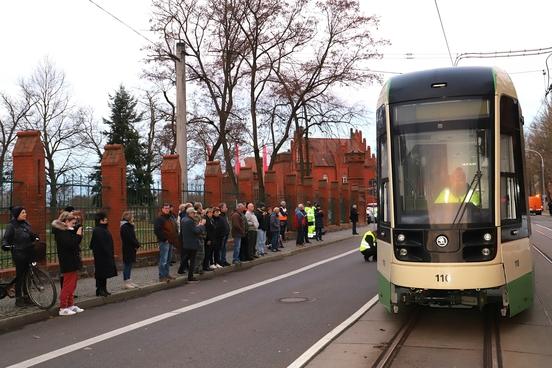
[444,34]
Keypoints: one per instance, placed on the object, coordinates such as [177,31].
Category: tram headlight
[487,237]
[401,238]
[486,252]
[403,252]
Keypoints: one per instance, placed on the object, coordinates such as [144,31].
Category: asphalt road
[250,329]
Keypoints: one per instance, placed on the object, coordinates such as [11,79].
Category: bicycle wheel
[40,288]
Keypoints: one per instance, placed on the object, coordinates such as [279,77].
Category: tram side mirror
[482,142]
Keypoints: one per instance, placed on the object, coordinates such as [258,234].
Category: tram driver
[457,190]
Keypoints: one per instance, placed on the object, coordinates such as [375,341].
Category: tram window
[383,174]
[511,187]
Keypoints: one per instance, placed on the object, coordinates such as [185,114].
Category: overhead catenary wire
[444,33]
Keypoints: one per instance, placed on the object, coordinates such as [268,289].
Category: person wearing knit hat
[19,238]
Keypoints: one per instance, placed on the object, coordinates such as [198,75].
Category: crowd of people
[199,234]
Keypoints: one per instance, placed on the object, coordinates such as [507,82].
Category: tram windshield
[441,163]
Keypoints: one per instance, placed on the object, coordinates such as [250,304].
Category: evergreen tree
[122,130]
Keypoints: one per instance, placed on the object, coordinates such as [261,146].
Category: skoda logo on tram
[441,241]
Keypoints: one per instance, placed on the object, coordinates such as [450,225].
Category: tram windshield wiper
[469,194]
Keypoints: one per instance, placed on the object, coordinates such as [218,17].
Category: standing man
[167,237]
[225,233]
[319,221]
[252,227]
[311,226]
[354,218]
[238,231]
[300,217]
[190,236]
[262,230]
[283,217]
[275,229]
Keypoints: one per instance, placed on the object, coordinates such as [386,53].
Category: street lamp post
[542,173]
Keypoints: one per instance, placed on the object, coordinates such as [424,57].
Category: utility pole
[181,129]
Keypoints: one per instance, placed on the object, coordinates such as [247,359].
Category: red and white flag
[237,164]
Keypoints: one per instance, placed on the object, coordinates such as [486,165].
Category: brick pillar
[29,176]
[114,190]
[335,195]
[323,192]
[213,183]
[291,198]
[362,204]
[271,189]
[346,195]
[246,184]
[308,190]
[171,179]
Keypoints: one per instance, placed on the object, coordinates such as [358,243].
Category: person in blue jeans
[167,236]
[275,229]
[238,223]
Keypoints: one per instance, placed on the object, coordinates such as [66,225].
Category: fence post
[324,199]
[290,186]
[29,176]
[246,184]
[114,190]
[334,187]
[171,178]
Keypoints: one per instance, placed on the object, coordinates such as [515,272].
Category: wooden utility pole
[181,130]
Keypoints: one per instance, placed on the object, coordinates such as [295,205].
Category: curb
[15,322]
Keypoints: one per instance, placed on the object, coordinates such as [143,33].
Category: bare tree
[15,111]
[52,116]
[343,44]
[211,31]
[538,136]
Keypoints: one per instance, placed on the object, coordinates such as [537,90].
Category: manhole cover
[294,299]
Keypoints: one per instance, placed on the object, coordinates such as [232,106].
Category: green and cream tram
[453,227]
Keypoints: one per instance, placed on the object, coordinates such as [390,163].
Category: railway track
[492,353]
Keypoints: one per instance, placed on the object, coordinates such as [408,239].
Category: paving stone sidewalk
[147,279]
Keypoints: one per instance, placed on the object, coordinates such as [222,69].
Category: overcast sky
[98,54]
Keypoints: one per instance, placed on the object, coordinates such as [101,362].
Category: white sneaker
[212,267]
[218,266]
[76,309]
[66,312]
[129,285]
[136,286]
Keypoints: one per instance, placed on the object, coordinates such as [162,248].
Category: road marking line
[328,338]
[134,326]
[547,228]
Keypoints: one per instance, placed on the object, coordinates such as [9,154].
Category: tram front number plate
[443,277]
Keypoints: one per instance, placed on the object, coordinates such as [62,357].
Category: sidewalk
[147,278]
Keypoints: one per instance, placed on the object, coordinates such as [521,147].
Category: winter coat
[252,222]
[225,224]
[130,242]
[238,228]
[220,227]
[319,218]
[260,219]
[19,235]
[354,215]
[210,229]
[274,223]
[190,234]
[102,247]
[68,247]
[166,229]
[300,217]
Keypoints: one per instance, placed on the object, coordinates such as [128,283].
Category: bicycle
[38,285]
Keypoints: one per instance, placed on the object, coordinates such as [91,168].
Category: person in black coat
[130,246]
[19,239]
[318,221]
[68,249]
[190,236]
[354,218]
[104,259]
[210,230]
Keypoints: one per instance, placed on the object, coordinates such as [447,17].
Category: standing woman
[19,238]
[68,250]
[104,260]
[130,246]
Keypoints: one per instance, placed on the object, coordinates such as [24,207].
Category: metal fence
[196,193]
[145,209]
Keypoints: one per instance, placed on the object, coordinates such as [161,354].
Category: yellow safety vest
[364,244]
[446,196]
